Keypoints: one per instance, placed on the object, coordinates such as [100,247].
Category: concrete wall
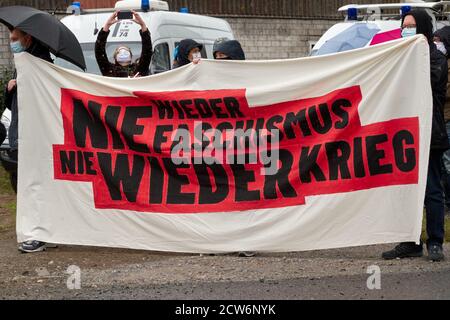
[264,38]
[5,53]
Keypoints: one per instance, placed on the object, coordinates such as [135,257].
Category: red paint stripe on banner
[128,148]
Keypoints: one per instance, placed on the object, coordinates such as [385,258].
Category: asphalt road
[130,274]
[428,285]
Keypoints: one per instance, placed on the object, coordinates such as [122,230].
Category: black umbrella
[47,29]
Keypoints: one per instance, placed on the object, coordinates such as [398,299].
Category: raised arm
[105,66]
[147,49]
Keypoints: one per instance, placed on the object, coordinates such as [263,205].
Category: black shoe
[404,250]
[32,246]
[435,252]
[246,254]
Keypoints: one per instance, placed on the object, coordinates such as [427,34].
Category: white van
[167,29]
[381,17]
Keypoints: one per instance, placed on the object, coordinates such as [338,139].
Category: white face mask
[441,47]
[123,57]
[409,32]
[196,56]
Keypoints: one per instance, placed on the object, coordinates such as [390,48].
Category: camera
[125,15]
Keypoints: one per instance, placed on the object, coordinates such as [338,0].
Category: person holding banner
[123,66]
[230,50]
[442,41]
[419,22]
[21,42]
[186,52]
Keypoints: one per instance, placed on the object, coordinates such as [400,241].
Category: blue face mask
[17,47]
[408,32]
[175,53]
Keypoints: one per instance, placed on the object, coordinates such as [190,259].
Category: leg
[32,245]
[434,201]
[13,180]
[13,155]
[446,171]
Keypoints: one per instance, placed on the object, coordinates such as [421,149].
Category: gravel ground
[131,274]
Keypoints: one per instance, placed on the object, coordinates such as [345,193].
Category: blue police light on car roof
[145,5]
[184,10]
[74,8]
[405,9]
[352,14]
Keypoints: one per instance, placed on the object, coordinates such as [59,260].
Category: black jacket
[109,69]
[444,35]
[37,50]
[439,79]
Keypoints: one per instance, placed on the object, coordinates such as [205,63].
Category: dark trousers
[13,173]
[446,185]
[446,170]
[434,200]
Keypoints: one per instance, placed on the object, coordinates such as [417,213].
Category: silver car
[9,164]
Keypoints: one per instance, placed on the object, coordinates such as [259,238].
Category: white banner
[119,162]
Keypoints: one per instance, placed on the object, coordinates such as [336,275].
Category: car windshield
[354,37]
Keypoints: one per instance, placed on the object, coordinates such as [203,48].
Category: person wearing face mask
[186,52]
[229,50]
[419,22]
[225,49]
[442,41]
[123,65]
[21,42]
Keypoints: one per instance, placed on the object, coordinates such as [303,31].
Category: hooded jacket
[444,35]
[439,79]
[185,46]
[109,69]
[38,50]
[231,48]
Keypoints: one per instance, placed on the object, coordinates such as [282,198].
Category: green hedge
[5,76]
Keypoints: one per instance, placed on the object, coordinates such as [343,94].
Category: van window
[160,59]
